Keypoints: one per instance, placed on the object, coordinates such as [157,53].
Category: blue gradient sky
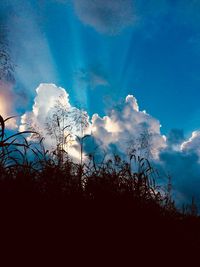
[156,57]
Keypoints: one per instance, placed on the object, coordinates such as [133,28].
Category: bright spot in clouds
[6,103]
[124,122]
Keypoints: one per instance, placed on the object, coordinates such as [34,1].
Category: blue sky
[157,61]
[101,51]
[156,57]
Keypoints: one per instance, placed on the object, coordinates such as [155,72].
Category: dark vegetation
[104,210]
[109,212]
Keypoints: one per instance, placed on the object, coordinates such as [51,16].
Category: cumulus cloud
[175,139]
[106,16]
[193,144]
[181,160]
[174,154]
[47,97]
[126,124]
[184,168]
[123,129]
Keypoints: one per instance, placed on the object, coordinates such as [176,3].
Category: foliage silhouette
[116,206]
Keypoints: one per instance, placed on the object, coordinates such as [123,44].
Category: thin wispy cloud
[106,16]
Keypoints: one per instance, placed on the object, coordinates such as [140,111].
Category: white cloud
[47,94]
[121,129]
[46,98]
[123,124]
[181,159]
[192,144]
[106,16]
[126,123]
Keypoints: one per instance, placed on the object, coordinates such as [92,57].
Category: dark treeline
[110,210]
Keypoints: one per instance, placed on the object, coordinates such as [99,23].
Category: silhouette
[111,213]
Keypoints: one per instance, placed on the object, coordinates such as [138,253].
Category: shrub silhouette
[107,205]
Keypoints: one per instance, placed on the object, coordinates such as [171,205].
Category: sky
[142,56]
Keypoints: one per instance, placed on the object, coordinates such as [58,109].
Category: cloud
[47,96]
[106,16]
[181,159]
[174,154]
[123,129]
[192,144]
[126,124]
[91,78]
[184,168]
[88,79]
[113,16]
[175,139]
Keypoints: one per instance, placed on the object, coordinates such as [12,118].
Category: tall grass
[52,176]
[115,200]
